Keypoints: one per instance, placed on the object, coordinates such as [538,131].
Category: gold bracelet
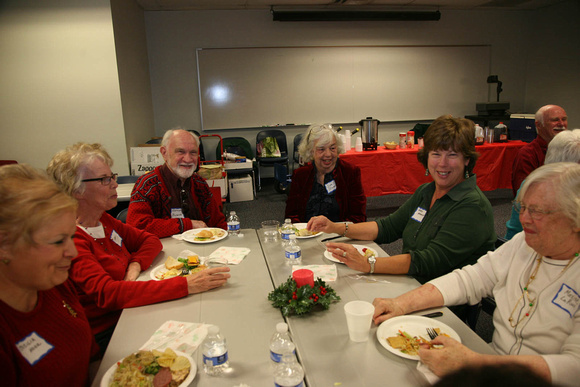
[345,229]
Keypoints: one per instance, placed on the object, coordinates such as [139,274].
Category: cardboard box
[139,169]
[522,127]
[146,155]
[241,188]
[238,165]
[221,183]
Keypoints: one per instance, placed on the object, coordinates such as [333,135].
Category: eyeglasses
[104,180]
[535,213]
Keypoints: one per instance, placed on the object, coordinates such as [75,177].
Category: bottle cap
[214,329]
[232,212]
[282,327]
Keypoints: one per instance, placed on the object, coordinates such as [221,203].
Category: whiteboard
[266,86]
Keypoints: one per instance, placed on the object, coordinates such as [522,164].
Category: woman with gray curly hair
[326,185]
[112,254]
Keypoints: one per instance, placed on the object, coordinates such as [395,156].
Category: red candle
[303,277]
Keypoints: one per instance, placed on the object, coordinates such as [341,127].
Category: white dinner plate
[105,381]
[302,226]
[414,326]
[159,270]
[328,254]
[190,235]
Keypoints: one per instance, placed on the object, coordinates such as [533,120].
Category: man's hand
[386,308]
[451,357]
[198,224]
[207,279]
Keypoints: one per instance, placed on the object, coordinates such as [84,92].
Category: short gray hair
[321,135]
[564,147]
[169,133]
[565,178]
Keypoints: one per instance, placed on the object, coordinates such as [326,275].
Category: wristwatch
[372,260]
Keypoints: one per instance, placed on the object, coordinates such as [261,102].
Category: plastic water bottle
[286,230]
[289,372]
[233,223]
[215,352]
[501,132]
[278,343]
[293,252]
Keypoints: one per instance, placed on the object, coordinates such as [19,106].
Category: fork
[184,271]
[432,333]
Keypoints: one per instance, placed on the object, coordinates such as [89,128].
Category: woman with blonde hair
[45,338]
[112,253]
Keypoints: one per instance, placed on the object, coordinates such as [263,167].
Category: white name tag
[117,238]
[567,299]
[330,186]
[33,348]
[419,214]
[176,213]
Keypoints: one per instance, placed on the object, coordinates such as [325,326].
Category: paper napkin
[177,335]
[325,272]
[234,255]
[427,373]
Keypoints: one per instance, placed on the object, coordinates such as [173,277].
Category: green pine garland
[293,300]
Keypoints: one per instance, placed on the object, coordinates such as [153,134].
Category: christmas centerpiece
[300,294]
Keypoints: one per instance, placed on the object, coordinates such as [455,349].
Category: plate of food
[364,250]
[204,235]
[302,232]
[143,367]
[402,335]
[176,267]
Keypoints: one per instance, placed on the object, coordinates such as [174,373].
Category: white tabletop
[240,309]
[324,348]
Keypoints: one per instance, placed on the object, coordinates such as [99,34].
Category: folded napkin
[427,373]
[325,272]
[179,237]
[177,335]
[234,255]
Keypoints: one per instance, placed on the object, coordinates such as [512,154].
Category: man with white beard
[173,198]
[550,120]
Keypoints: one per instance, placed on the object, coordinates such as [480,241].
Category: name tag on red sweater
[117,238]
[330,186]
[33,348]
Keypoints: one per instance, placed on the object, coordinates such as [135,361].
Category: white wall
[58,80]
[513,35]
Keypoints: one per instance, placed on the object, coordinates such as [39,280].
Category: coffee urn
[370,133]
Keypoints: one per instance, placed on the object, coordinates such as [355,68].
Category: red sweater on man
[151,204]
[49,346]
[530,157]
[99,271]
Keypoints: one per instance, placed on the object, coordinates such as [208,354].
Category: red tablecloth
[399,172]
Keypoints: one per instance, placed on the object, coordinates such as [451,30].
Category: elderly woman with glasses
[327,185]
[111,254]
[534,278]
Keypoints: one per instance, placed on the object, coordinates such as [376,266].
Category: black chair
[154,141]
[122,215]
[270,161]
[127,179]
[241,147]
[296,155]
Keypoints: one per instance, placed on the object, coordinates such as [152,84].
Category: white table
[240,309]
[324,348]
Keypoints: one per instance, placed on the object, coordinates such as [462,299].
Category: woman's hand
[386,308]
[133,271]
[451,357]
[349,255]
[320,223]
[207,279]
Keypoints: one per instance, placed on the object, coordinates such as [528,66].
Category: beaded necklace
[532,302]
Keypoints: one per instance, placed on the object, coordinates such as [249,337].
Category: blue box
[522,127]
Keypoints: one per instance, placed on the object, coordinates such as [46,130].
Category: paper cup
[359,315]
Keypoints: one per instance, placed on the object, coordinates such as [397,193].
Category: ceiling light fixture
[353,15]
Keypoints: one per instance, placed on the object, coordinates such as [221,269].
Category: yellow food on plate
[172,263]
[139,369]
[218,233]
[204,235]
[406,343]
[304,232]
[193,260]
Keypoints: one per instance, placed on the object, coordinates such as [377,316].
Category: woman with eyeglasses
[112,254]
[534,278]
[326,185]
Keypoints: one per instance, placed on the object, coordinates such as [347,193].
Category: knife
[331,238]
[434,314]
